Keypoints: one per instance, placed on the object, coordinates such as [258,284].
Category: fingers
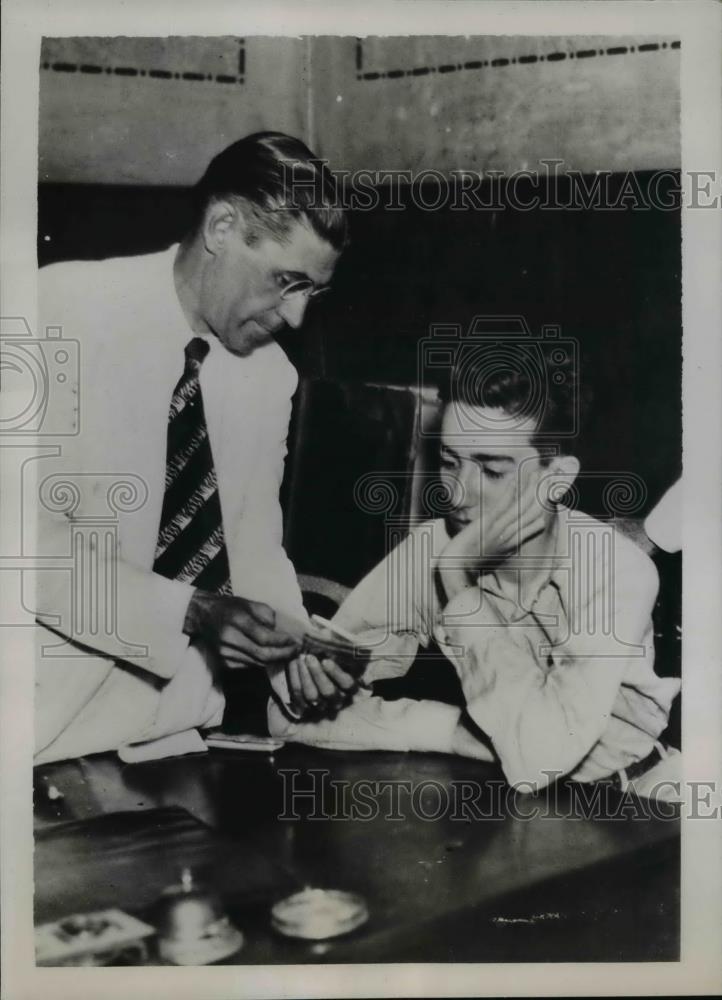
[511,513]
[271,644]
[529,528]
[243,632]
[523,515]
[234,642]
[237,654]
[311,693]
[530,521]
[258,621]
[260,634]
[322,684]
[263,613]
[235,658]
[305,695]
[342,680]
[336,687]
[532,514]
[295,687]
[506,507]
[318,688]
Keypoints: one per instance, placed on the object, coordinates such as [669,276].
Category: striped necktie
[191,546]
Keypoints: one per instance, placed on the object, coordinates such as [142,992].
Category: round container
[316,914]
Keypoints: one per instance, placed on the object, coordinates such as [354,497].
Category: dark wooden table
[445,879]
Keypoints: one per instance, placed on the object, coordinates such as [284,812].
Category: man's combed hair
[523,380]
[276,181]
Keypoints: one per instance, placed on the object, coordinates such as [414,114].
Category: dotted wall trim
[477,64]
[153,74]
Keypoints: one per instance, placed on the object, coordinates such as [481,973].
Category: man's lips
[460,519]
[275,328]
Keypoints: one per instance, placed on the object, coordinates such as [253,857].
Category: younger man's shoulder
[631,564]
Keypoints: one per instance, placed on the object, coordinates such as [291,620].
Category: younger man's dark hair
[523,380]
[275,180]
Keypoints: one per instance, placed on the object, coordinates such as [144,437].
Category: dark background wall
[608,279]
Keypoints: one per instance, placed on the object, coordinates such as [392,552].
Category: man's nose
[293,309]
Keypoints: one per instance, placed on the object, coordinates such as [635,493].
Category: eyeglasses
[302,286]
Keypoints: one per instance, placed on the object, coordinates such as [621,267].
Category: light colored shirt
[132,675]
[560,676]
[664,523]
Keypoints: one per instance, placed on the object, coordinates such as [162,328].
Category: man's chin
[455,524]
[247,338]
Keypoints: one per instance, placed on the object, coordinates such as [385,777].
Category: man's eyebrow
[296,275]
[479,456]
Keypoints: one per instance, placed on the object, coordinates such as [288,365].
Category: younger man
[544,612]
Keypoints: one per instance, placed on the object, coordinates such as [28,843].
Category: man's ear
[218,221]
[558,478]
[563,470]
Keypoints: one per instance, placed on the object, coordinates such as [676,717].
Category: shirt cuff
[174,745]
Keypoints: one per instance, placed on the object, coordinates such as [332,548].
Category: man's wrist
[467,743]
[453,580]
[453,583]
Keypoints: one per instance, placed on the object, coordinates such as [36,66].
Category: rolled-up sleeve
[370,723]
[149,610]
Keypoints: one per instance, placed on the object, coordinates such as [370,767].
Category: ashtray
[316,914]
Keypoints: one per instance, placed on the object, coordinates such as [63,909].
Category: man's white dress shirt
[132,678]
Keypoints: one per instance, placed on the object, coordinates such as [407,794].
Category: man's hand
[318,687]
[491,539]
[241,632]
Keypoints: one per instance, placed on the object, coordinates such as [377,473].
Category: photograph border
[698,24]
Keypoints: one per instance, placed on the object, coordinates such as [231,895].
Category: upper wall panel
[153,111]
[498,103]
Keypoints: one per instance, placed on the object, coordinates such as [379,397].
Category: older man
[184,394]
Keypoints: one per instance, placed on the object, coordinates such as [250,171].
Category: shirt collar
[175,309]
